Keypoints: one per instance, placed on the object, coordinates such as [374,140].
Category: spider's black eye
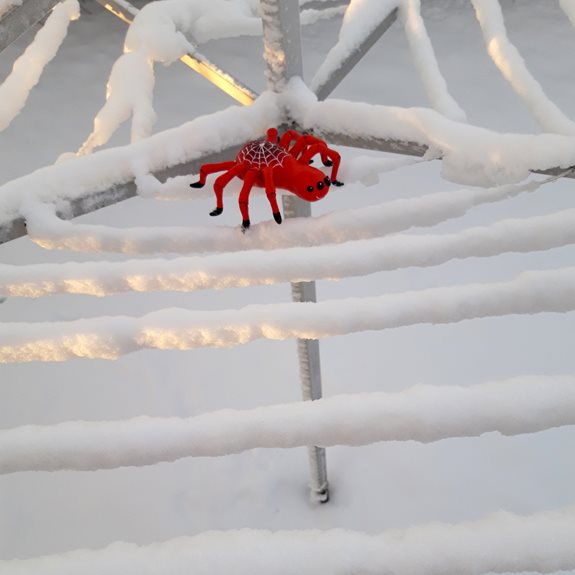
[327,181]
[310,188]
[320,185]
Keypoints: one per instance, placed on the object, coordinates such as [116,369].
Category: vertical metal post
[282,52]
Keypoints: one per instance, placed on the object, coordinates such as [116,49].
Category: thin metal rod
[282,52]
[21,18]
[325,88]
[196,61]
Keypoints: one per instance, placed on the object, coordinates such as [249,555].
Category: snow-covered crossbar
[423,413]
[501,542]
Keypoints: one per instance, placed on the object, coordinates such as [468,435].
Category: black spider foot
[328,163]
[216,212]
[245,225]
[278,217]
[197,184]
[336,183]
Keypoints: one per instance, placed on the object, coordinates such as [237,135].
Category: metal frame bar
[126,12]
[322,4]
[103,198]
[283,54]
[326,88]
[21,18]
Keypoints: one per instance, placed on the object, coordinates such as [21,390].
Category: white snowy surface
[389,485]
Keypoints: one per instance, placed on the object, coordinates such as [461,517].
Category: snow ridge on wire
[500,542]
[257,267]
[111,337]
[51,232]
[422,413]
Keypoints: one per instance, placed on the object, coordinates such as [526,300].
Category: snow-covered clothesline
[49,231]
[174,328]
[422,413]
[500,542]
[257,267]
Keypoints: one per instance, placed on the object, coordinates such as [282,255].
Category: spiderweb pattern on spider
[262,154]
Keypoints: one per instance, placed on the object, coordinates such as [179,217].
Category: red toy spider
[272,164]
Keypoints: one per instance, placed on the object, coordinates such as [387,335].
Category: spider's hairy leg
[271,194]
[243,199]
[221,182]
[208,169]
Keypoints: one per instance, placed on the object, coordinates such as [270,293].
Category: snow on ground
[374,488]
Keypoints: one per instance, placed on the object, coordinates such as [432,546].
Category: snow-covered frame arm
[107,177]
[17,16]
[28,68]
[364,23]
[513,68]
[568,6]
[131,83]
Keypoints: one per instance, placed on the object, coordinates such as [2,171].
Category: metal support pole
[282,52]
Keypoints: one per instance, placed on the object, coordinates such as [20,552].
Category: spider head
[311,184]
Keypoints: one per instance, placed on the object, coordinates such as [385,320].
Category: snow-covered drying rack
[61,192]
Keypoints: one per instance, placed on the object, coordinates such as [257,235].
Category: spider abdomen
[259,155]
